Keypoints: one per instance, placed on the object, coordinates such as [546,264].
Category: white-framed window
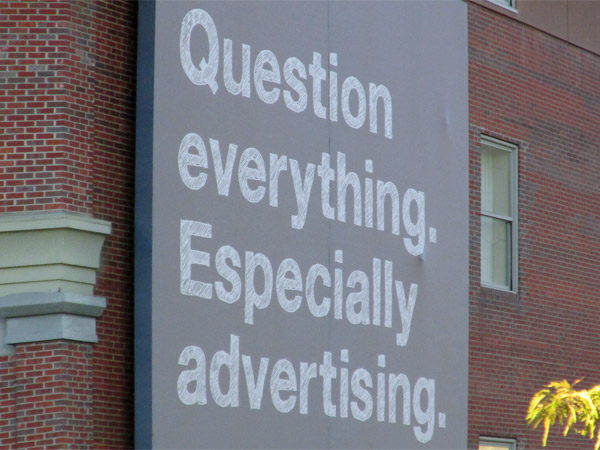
[499,208]
[490,443]
[509,4]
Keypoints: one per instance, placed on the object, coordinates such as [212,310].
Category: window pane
[500,444]
[495,251]
[495,447]
[509,3]
[495,181]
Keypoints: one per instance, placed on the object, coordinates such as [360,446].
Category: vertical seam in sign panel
[328,119]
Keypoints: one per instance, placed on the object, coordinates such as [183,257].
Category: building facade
[536,94]
[67,171]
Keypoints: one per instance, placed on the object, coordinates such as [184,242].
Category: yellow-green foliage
[577,411]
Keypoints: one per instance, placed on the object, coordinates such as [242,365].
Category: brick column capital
[46,316]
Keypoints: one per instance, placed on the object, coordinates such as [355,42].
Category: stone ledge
[52,220]
[42,303]
[41,316]
[50,252]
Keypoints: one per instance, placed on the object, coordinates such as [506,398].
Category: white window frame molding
[513,149]
[487,440]
[511,7]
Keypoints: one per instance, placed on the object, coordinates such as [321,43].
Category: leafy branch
[576,410]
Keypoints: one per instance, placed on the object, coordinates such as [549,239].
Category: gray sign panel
[309,225]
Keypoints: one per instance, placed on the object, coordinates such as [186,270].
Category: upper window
[499,247]
[510,4]
[487,443]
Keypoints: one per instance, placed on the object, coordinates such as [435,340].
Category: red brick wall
[53,396]
[46,394]
[67,127]
[47,105]
[7,402]
[543,94]
[113,200]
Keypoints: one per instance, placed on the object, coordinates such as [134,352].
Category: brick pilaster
[47,66]
[67,108]
[53,395]
[7,401]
